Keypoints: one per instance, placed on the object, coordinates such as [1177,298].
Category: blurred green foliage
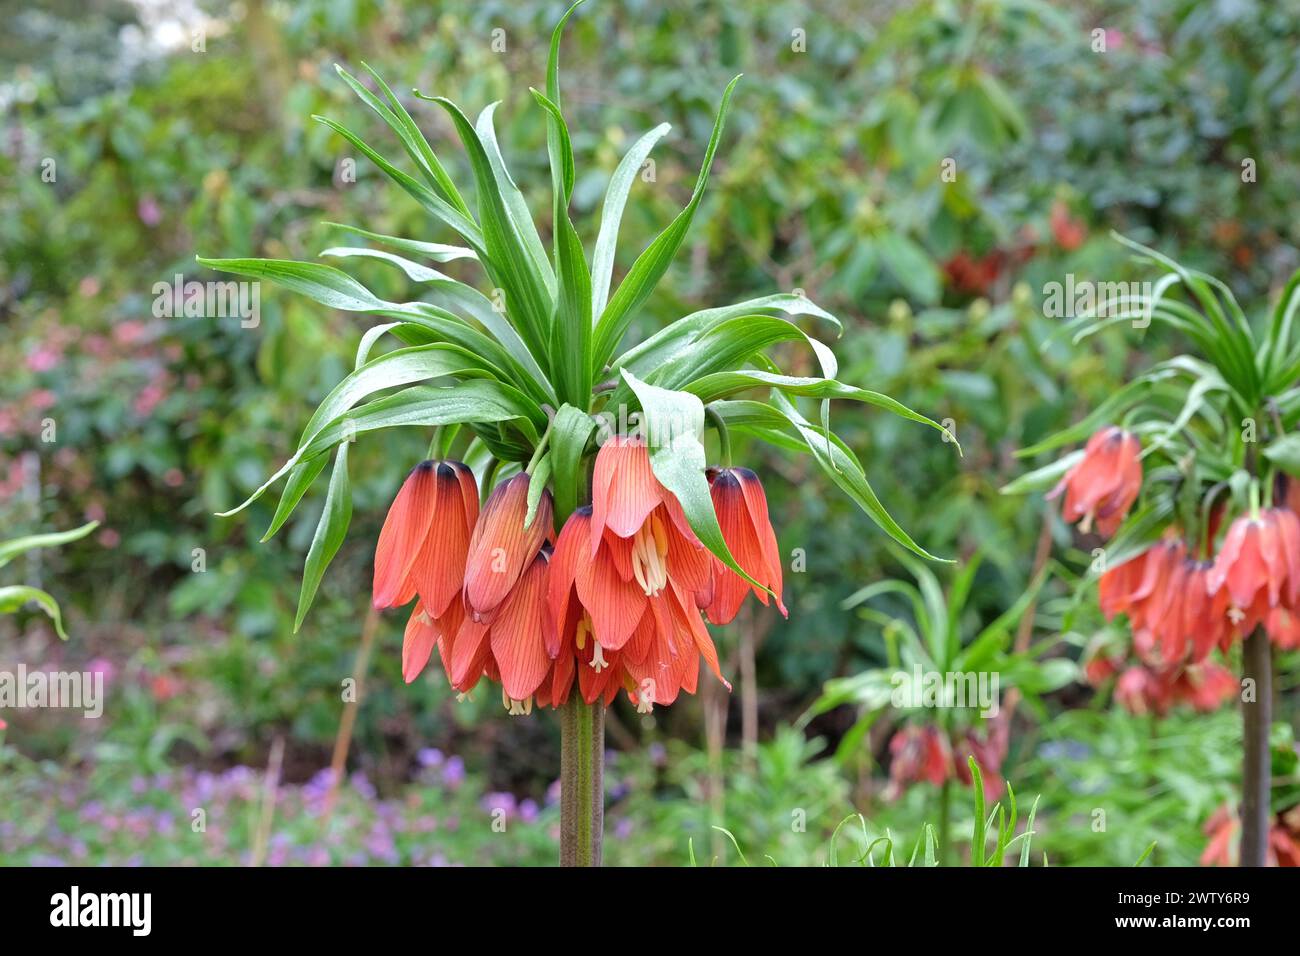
[126,151]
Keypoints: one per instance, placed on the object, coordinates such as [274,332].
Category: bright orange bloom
[989,751]
[1174,613]
[918,753]
[741,505]
[1259,565]
[423,543]
[1104,485]
[628,578]
[511,650]
[1150,690]
[1283,626]
[501,547]
[1221,849]
[424,632]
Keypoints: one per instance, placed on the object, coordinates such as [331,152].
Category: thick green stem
[582,782]
[1256,719]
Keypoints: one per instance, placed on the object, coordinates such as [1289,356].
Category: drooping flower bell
[918,753]
[1174,613]
[990,751]
[503,545]
[741,506]
[1104,485]
[628,578]
[425,538]
[1259,566]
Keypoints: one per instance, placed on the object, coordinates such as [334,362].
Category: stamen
[519,708]
[649,554]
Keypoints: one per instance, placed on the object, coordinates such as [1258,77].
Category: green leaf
[452,294]
[1029,832]
[401,367]
[678,339]
[15,596]
[15,546]
[571,328]
[413,141]
[414,270]
[979,834]
[515,205]
[301,478]
[1045,477]
[673,425]
[721,384]
[330,532]
[434,204]
[569,435]
[510,261]
[336,289]
[654,261]
[1285,453]
[831,454]
[911,266]
[475,402]
[611,215]
[536,485]
[436,251]
[731,344]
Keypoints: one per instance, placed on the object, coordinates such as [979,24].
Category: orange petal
[690,622]
[518,633]
[439,571]
[615,605]
[624,489]
[756,502]
[417,643]
[501,547]
[569,554]
[469,654]
[402,536]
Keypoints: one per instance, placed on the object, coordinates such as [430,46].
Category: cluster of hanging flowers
[1182,603]
[615,601]
[1223,827]
[924,753]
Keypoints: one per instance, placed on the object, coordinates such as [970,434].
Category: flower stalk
[1256,719]
[582,782]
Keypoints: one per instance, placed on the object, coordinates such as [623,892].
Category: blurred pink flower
[44,358]
[150,397]
[41,399]
[129,331]
[102,665]
[148,210]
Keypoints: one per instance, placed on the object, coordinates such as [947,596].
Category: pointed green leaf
[15,596]
[654,261]
[330,532]
[51,539]
[611,215]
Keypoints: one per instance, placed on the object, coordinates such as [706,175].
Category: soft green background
[828,179]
